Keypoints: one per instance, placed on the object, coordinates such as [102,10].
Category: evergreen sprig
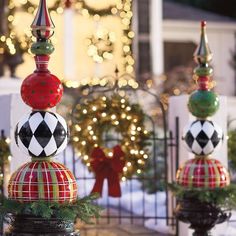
[83,209]
[223,197]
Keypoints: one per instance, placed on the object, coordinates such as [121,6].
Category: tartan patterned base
[203,173]
[43,180]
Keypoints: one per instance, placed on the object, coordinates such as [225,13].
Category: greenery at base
[223,197]
[83,209]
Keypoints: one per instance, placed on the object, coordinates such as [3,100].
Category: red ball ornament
[41,90]
[203,173]
[43,181]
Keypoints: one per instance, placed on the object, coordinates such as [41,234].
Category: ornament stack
[203,136]
[42,133]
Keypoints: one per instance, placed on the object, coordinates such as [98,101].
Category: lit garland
[11,43]
[122,9]
[93,118]
[101,45]
[5,156]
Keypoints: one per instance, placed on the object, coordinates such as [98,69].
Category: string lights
[101,45]
[95,45]
[11,43]
[5,156]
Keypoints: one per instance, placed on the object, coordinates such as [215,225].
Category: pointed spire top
[203,53]
[42,26]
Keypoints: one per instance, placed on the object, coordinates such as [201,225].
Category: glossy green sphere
[203,71]
[42,48]
[203,103]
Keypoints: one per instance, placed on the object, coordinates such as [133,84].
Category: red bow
[107,168]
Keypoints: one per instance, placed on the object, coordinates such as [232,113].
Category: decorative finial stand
[42,134]
[202,137]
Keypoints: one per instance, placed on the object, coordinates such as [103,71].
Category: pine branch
[223,197]
[83,208]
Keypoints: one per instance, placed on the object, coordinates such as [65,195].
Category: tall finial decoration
[201,180]
[42,26]
[42,90]
[203,53]
[44,191]
[203,102]
[42,133]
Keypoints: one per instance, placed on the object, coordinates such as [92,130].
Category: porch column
[157,51]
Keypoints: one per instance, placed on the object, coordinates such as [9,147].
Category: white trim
[194,25]
[156,27]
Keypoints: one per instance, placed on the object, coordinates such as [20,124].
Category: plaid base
[203,173]
[43,180]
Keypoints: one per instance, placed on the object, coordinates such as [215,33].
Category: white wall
[222,43]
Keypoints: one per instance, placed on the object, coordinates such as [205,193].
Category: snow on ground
[138,202]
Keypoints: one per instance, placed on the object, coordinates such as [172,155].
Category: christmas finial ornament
[203,53]
[42,133]
[203,173]
[202,182]
[203,136]
[42,26]
[42,90]
[203,103]
[43,181]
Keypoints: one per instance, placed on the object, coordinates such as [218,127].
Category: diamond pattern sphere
[203,173]
[43,181]
[42,134]
[202,137]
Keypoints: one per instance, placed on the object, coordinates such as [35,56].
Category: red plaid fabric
[43,180]
[203,173]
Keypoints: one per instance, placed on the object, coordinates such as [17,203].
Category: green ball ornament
[203,71]
[203,103]
[42,48]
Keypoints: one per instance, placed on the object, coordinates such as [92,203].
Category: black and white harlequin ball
[42,134]
[203,137]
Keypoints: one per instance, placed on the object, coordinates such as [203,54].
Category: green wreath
[94,118]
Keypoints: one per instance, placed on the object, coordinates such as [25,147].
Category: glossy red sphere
[41,90]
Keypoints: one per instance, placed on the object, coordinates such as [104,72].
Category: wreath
[99,121]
